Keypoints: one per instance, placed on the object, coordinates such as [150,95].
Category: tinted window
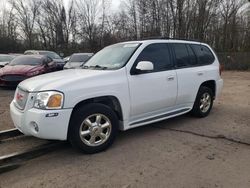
[192,56]
[158,54]
[181,54]
[79,58]
[26,60]
[204,55]
[52,55]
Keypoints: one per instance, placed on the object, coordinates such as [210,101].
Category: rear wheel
[93,128]
[203,103]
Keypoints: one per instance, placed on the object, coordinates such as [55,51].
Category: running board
[161,116]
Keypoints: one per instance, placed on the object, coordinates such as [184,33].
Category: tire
[98,125]
[200,109]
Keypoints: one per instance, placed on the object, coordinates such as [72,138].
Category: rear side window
[181,55]
[158,54]
[192,57]
[203,54]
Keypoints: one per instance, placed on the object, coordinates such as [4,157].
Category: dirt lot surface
[180,152]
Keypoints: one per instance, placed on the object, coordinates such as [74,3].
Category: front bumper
[9,83]
[54,128]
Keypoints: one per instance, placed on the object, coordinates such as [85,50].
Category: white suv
[123,86]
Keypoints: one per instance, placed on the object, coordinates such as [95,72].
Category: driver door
[153,92]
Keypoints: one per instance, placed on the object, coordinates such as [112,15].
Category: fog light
[35,126]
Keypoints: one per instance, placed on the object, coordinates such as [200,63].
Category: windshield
[6,58]
[52,55]
[79,58]
[26,60]
[112,57]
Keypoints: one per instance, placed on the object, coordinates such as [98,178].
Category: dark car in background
[53,55]
[5,59]
[77,60]
[25,66]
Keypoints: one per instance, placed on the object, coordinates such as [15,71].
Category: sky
[114,4]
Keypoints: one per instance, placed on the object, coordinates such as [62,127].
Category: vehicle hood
[64,80]
[19,69]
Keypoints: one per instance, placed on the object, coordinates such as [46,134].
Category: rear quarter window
[203,54]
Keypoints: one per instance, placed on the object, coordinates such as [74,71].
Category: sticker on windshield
[130,45]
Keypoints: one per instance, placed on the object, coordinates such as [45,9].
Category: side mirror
[144,66]
[51,63]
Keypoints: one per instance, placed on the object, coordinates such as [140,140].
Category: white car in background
[76,60]
[123,86]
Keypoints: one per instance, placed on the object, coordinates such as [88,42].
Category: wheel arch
[211,84]
[108,100]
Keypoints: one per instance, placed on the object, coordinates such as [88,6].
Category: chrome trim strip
[161,116]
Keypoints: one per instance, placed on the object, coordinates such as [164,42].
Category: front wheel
[203,102]
[93,128]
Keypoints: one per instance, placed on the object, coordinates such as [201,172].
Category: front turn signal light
[55,101]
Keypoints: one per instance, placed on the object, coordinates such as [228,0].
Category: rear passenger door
[191,62]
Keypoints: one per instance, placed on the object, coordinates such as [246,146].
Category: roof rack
[169,38]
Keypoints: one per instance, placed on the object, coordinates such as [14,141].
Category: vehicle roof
[38,51]
[34,56]
[164,40]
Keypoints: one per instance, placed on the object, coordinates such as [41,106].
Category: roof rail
[169,38]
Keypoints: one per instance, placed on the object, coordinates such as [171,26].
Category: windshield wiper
[95,67]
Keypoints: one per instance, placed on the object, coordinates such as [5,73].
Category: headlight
[49,100]
[33,73]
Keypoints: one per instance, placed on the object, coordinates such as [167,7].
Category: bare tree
[26,13]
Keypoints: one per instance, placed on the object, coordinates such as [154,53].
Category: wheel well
[210,84]
[110,101]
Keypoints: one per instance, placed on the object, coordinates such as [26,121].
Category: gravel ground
[180,152]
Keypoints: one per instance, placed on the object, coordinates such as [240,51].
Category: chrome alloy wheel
[95,130]
[205,102]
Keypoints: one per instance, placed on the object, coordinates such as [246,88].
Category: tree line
[89,25]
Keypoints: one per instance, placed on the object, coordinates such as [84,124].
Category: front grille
[21,97]
[13,78]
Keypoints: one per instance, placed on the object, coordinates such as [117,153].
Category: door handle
[200,73]
[170,78]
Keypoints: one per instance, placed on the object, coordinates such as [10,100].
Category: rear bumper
[54,128]
[219,86]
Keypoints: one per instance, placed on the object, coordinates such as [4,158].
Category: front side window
[158,54]
[204,55]
[52,55]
